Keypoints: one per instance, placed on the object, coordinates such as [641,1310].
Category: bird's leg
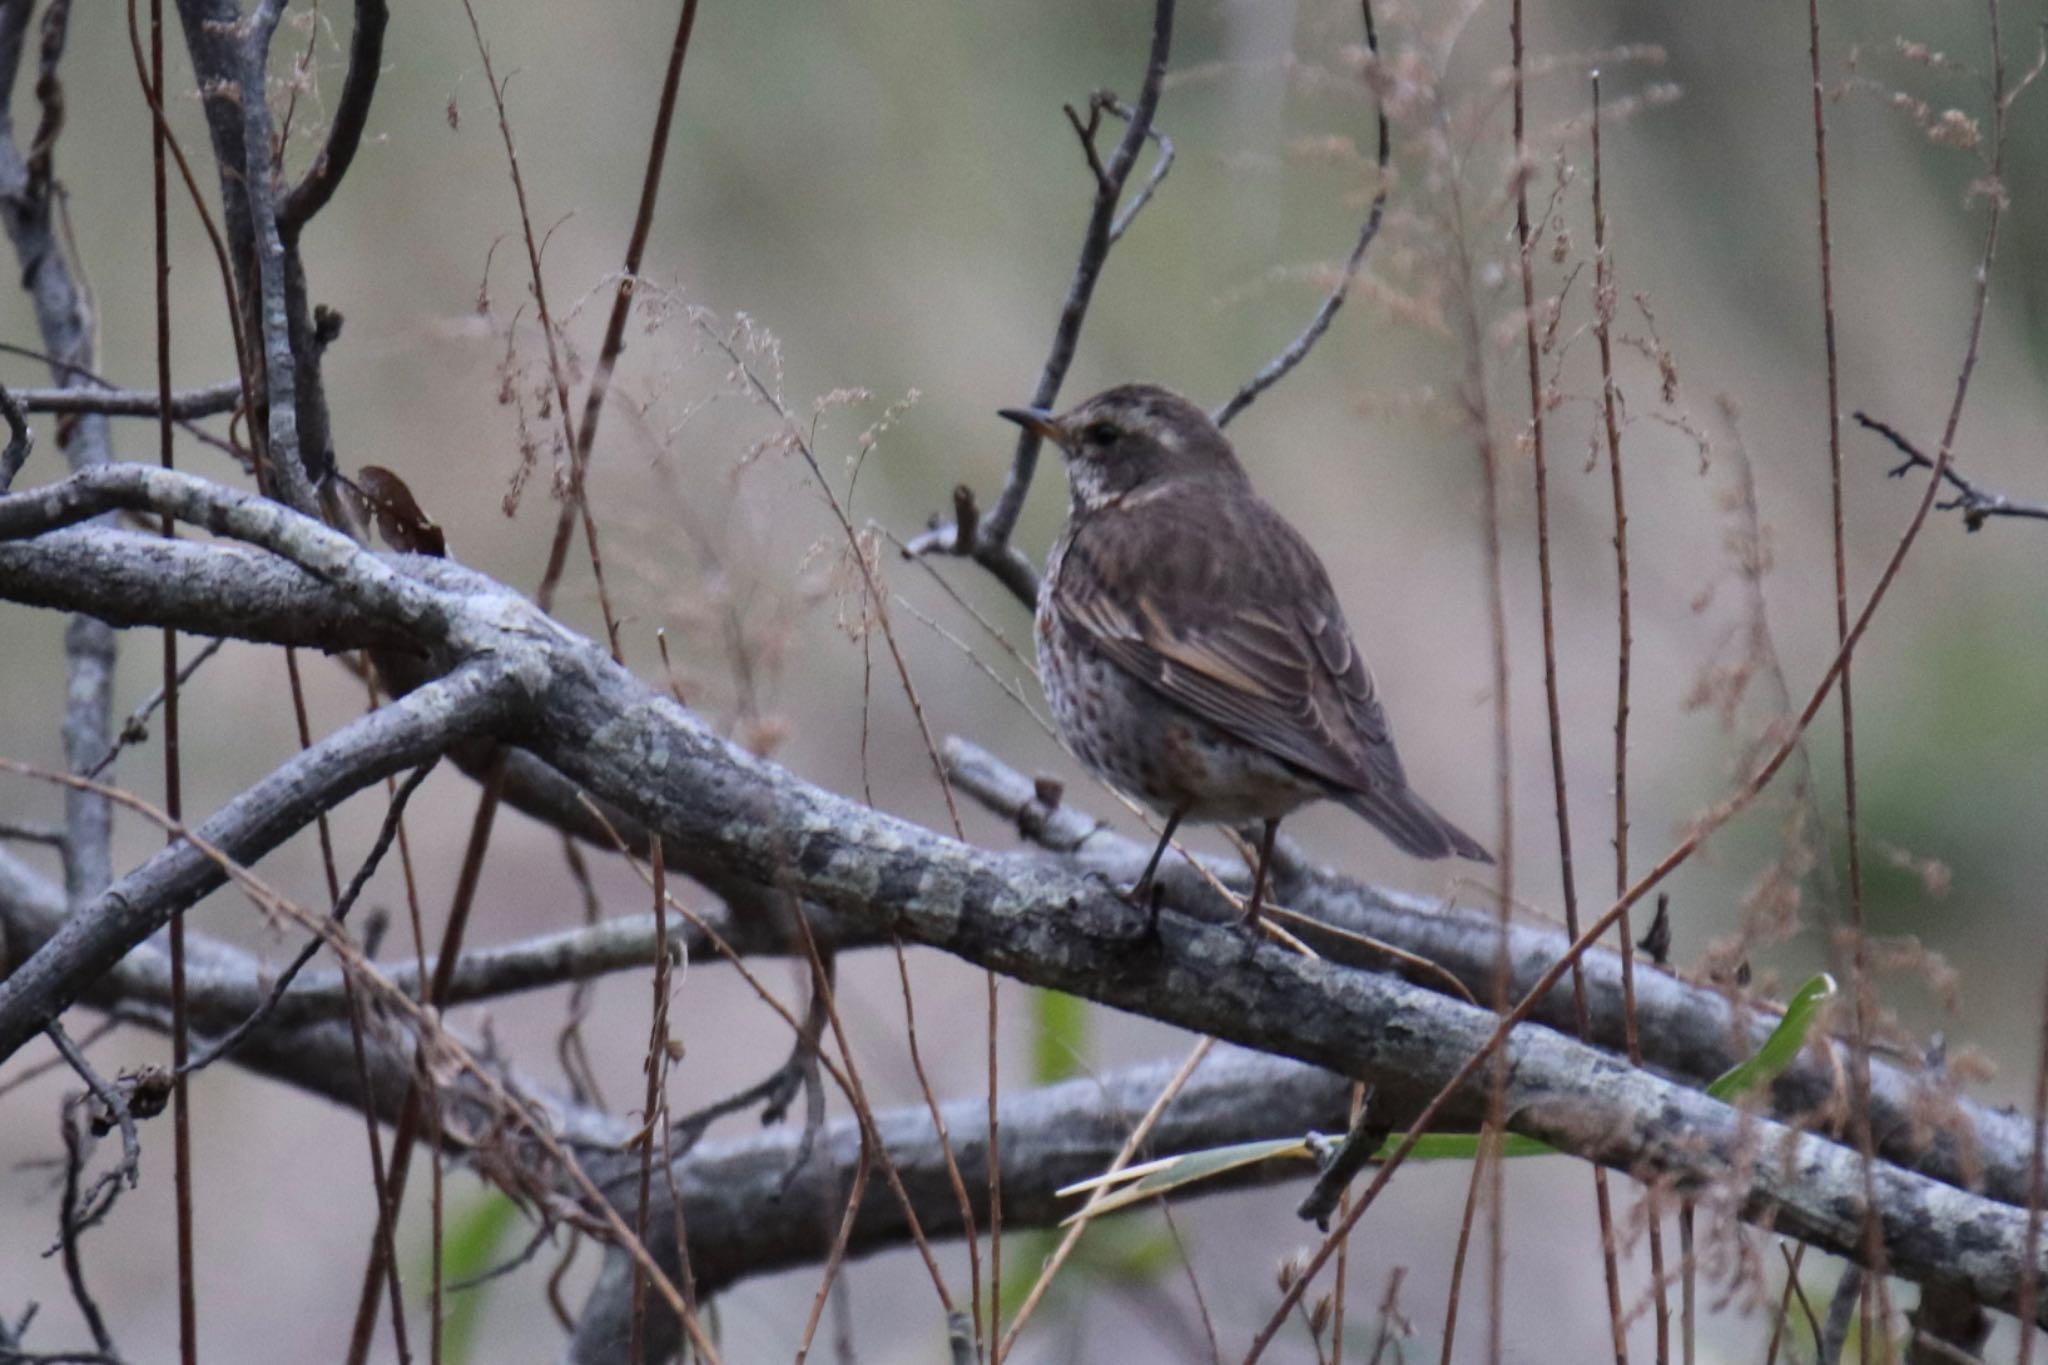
[1251,909]
[1146,892]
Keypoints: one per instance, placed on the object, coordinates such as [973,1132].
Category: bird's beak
[1038,420]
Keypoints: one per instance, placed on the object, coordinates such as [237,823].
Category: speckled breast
[1150,747]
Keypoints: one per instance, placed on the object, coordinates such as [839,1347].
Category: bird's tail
[1414,825]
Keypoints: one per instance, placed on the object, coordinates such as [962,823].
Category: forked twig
[1297,350]
[988,543]
[1977,504]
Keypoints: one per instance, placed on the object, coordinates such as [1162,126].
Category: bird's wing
[1223,608]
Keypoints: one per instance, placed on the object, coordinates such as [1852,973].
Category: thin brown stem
[1337,1291]
[181,1106]
[1784,1313]
[1552,702]
[622,302]
[1702,828]
[1079,1223]
[856,1095]
[152,91]
[652,1114]
[1859,948]
[1605,295]
[557,371]
[994,1283]
[957,1181]
[406,1134]
[423,1018]
[835,1258]
[1455,1294]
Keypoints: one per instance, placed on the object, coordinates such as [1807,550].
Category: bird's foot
[1147,894]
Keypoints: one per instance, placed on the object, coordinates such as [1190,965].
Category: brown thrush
[1190,643]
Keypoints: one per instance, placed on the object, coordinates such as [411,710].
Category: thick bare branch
[744,1217]
[1024,917]
[1687,1031]
[1032,917]
[128,578]
[326,554]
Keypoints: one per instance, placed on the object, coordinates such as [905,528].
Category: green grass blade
[1781,1049]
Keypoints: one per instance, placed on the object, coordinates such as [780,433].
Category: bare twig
[836,1257]
[32,832]
[135,729]
[622,297]
[1106,101]
[1297,350]
[395,812]
[345,130]
[72,1220]
[1095,243]
[990,545]
[186,404]
[1976,504]
[113,1106]
[654,1112]
[1783,1316]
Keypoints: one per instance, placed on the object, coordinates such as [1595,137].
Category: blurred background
[887,200]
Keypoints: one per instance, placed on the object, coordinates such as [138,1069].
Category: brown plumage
[1191,645]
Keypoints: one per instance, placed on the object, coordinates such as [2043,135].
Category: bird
[1192,648]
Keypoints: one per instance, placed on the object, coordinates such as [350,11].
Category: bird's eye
[1100,434]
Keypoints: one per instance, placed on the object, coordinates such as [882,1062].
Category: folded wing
[1257,647]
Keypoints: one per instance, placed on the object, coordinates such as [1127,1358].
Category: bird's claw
[1147,894]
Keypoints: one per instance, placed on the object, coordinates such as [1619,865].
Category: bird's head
[1131,437]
